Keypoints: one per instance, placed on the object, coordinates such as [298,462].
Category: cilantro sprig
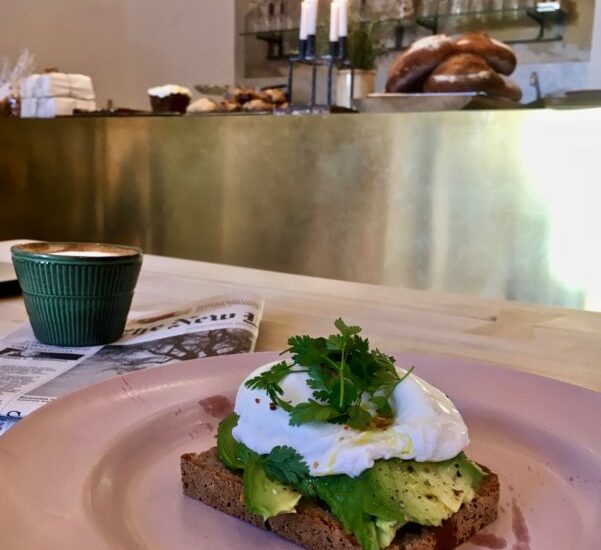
[350,383]
[285,465]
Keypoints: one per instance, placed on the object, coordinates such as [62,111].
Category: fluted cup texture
[75,301]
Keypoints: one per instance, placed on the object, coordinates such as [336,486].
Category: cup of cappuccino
[77,294]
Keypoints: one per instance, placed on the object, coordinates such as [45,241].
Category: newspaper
[33,374]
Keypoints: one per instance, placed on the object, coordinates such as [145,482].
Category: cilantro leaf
[269,381]
[343,395]
[307,351]
[346,378]
[359,418]
[346,330]
[285,465]
[311,411]
[321,380]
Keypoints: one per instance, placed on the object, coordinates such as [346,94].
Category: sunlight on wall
[565,169]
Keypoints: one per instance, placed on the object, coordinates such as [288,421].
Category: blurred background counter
[501,204]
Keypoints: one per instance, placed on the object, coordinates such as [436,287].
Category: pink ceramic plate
[99,469]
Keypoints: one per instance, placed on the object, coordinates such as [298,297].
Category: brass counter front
[498,204]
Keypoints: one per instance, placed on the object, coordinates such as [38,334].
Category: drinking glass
[404,9]
[285,11]
[496,5]
[443,7]
[263,15]
[459,6]
[480,7]
[251,19]
[512,7]
[427,8]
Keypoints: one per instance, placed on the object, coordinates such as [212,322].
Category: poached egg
[426,427]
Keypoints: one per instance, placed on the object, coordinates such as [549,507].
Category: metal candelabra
[336,58]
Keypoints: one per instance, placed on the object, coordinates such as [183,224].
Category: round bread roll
[511,90]
[203,105]
[257,105]
[464,72]
[275,96]
[229,106]
[412,67]
[498,55]
[242,94]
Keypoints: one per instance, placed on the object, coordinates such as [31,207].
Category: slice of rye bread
[205,478]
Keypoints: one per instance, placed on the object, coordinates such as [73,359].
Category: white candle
[342,18]
[304,20]
[312,17]
[334,21]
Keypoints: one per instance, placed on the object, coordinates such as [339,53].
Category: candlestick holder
[336,59]
[311,46]
[342,47]
[302,48]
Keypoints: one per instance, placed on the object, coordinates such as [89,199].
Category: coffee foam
[85,253]
[81,250]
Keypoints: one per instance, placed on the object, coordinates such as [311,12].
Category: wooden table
[558,343]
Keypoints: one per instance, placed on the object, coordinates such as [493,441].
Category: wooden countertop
[558,343]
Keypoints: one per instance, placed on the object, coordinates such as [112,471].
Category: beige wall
[125,45]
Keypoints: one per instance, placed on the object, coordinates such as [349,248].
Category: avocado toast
[339,448]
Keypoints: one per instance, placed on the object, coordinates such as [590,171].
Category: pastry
[464,73]
[242,94]
[229,106]
[275,96]
[498,55]
[203,105]
[257,105]
[169,98]
[413,66]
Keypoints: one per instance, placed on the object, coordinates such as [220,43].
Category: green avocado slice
[423,492]
[264,496]
[227,446]
[386,531]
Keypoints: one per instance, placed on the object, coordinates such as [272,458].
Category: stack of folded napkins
[53,94]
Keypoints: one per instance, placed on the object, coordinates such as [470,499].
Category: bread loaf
[464,73]
[498,55]
[511,89]
[412,67]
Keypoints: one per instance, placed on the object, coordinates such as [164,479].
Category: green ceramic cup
[77,294]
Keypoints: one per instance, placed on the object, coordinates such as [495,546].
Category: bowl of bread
[443,72]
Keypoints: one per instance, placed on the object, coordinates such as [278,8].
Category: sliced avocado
[386,531]
[453,482]
[264,496]
[344,496]
[372,506]
[227,446]
[423,492]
